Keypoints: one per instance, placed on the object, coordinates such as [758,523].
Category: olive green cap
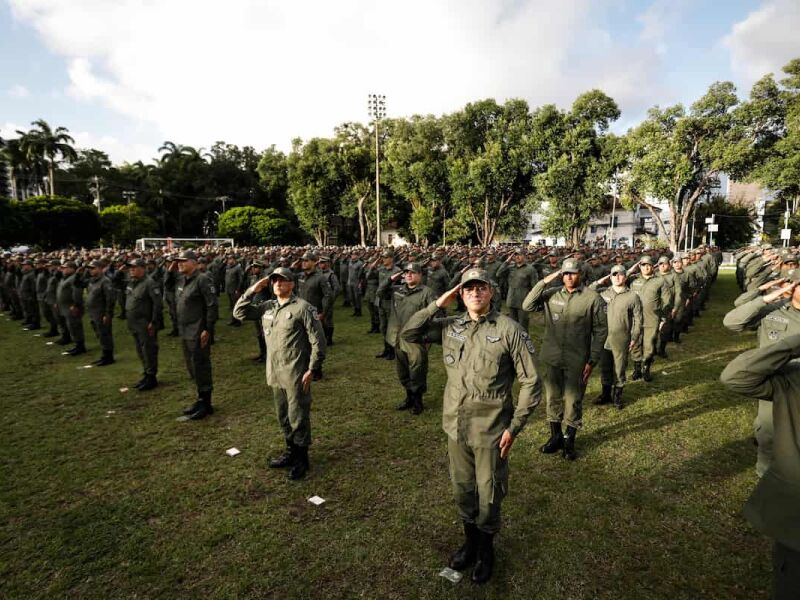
[570,266]
[646,260]
[617,269]
[475,275]
[283,273]
[413,267]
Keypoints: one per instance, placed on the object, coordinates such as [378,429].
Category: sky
[126,75]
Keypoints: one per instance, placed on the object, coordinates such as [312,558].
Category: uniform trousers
[647,349]
[147,349]
[763,430]
[612,367]
[411,363]
[293,409]
[75,327]
[479,479]
[47,313]
[104,335]
[198,363]
[355,296]
[785,572]
[563,392]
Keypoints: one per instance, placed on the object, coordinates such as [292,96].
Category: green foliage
[15,224]
[122,224]
[250,225]
[736,223]
[423,221]
[49,222]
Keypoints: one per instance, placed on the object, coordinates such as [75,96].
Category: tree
[44,143]
[316,185]
[57,222]
[490,171]
[15,223]
[417,171]
[357,162]
[578,159]
[251,225]
[124,223]
[736,222]
[21,168]
[273,173]
[677,156]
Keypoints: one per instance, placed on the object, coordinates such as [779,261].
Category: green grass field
[104,495]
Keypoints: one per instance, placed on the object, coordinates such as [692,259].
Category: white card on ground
[316,500]
[49,343]
[37,335]
[232,451]
[664,373]
[451,575]
[182,419]
[123,389]
[66,354]
[87,366]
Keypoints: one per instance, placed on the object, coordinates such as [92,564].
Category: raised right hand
[447,298]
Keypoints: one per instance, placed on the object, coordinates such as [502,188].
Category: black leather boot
[466,555]
[389,353]
[150,382]
[618,398]
[676,335]
[193,408]
[80,348]
[286,459]
[204,407]
[107,359]
[604,397]
[485,563]
[556,441]
[262,350]
[407,403]
[569,444]
[300,467]
[140,383]
[637,371]
[662,349]
[385,351]
[646,371]
[51,333]
[64,340]
[417,400]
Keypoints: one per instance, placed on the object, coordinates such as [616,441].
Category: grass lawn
[104,495]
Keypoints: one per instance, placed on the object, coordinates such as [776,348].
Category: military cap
[551,254]
[594,257]
[617,269]
[186,255]
[519,251]
[54,263]
[413,267]
[70,264]
[95,263]
[790,258]
[794,275]
[475,275]
[202,261]
[387,254]
[28,262]
[283,273]
[324,258]
[257,263]
[646,260]
[676,258]
[309,256]
[570,266]
[490,250]
[663,260]
[137,262]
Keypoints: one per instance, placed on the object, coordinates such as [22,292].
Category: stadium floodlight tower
[376,105]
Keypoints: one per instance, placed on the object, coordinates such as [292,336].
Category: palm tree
[44,143]
[21,168]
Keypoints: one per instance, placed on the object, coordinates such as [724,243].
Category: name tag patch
[456,335]
[492,339]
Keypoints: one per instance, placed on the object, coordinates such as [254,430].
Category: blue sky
[125,76]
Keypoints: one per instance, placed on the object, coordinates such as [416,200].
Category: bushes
[124,223]
[49,222]
[251,226]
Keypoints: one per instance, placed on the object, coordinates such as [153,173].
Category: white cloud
[657,20]
[765,40]
[18,91]
[264,71]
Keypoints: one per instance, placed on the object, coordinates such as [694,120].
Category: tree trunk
[51,171]
[361,220]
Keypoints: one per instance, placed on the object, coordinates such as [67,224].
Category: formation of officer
[100,301]
[142,308]
[518,278]
[295,350]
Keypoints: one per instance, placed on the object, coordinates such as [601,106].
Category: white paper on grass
[123,389]
[232,451]
[316,500]
[451,575]
[49,343]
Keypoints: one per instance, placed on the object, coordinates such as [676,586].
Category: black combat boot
[417,403]
[52,333]
[150,382]
[64,339]
[407,403]
[80,348]
[140,383]
[174,332]
[389,352]
[465,556]
[204,409]
[556,441]
[329,336]
[106,359]
[646,371]
[618,398]
[637,370]
[300,467]
[662,349]
[385,351]
[676,335]
[605,396]
[286,459]
[569,444]
[485,563]
[193,408]
[262,350]
[357,312]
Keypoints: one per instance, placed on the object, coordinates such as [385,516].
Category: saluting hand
[261,284]
[552,276]
[777,294]
[447,298]
[771,284]
[506,442]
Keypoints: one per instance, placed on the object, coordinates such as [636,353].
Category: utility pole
[376,106]
[95,188]
[129,195]
[610,234]
[223,200]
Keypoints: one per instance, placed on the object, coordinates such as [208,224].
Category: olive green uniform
[775,322]
[197,311]
[42,290]
[482,358]
[295,344]
[772,374]
[100,300]
[355,273]
[574,334]
[655,296]
[142,307]
[438,279]
[27,297]
[412,359]
[521,280]
[314,288]
[371,288]
[69,294]
[624,318]
[383,295]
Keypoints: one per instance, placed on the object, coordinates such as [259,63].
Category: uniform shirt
[774,321]
[100,297]
[27,286]
[354,271]
[314,288]
[384,292]
[521,280]
[405,302]
[655,297]
[293,334]
[482,359]
[69,293]
[575,326]
[771,373]
[42,279]
[195,303]
[437,280]
[142,302]
[234,279]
